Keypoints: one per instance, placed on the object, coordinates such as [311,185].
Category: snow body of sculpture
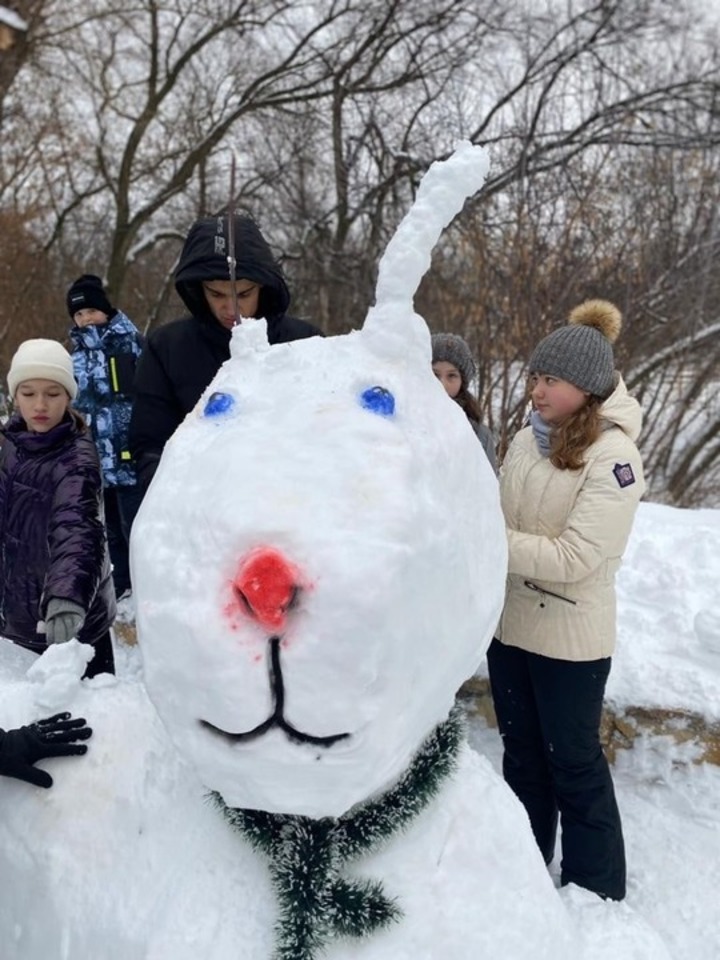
[322,559]
[318,565]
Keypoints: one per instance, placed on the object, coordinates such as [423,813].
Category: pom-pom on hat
[42,360]
[87,293]
[582,352]
[453,349]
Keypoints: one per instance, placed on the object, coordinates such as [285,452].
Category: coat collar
[30,442]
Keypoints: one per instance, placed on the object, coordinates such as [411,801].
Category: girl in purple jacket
[55,578]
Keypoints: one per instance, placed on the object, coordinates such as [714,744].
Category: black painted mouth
[276,718]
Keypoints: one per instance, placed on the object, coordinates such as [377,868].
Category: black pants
[549,718]
[104,659]
[121,505]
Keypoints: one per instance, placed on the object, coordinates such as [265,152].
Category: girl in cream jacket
[570,485]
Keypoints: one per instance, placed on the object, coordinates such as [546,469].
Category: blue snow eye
[378,400]
[218,404]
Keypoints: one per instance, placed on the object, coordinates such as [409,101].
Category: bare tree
[556,92]
[348,166]
[638,228]
[600,117]
[160,93]
[611,72]
[19,29]
[30,290]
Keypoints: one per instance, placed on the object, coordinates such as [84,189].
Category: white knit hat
[42,360]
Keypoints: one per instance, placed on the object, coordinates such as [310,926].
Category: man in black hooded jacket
[182,357]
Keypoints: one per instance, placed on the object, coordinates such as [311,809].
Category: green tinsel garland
[307,856]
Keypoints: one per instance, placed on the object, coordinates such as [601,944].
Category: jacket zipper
[112,370]
[9,480]
[558,596]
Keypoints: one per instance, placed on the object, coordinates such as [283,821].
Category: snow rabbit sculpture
[318,565]
[338,556]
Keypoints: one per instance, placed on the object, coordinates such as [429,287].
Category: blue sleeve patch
[624,474]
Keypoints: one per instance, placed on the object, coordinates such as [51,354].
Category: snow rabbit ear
[392,328]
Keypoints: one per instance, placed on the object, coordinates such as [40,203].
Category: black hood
[204,257]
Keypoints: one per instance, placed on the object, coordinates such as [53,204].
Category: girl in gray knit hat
[569,485]
[454,367]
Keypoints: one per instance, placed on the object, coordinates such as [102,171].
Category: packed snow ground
[169,873]
[668,656]
[671,818]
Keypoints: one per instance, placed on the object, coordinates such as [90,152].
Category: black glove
[52,737]
[63,620]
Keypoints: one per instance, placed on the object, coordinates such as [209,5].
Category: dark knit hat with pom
[582,352]
[87,294]
[452,349]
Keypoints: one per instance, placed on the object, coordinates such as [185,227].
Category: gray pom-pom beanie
[582,351]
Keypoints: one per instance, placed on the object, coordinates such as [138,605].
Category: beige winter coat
[567,531]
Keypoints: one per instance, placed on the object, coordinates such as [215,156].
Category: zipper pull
[536,588]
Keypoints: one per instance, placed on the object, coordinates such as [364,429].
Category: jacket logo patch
[624,474]
[220,245]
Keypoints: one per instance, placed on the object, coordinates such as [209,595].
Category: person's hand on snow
[52,737]
[63,620]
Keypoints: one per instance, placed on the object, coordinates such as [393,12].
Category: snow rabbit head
[319,562]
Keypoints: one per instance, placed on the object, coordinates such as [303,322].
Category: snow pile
[123,859]
[668,651]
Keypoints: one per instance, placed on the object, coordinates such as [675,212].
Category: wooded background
[118,119]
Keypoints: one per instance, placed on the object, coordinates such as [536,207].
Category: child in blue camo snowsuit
[106,346]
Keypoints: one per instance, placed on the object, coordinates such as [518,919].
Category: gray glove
[63,620]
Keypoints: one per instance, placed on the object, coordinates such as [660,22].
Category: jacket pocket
[548,593]
[121,371]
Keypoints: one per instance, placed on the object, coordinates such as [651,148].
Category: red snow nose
[267,584]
